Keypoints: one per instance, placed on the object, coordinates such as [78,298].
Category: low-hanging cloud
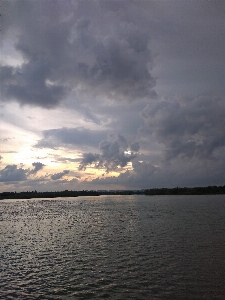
[59,175]
[37,167]
[141,176]
[114,152]
[12,173]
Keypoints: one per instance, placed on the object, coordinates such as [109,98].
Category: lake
[113,247]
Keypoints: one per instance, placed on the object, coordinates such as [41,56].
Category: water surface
[115,247]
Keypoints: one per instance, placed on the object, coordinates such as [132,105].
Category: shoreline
[209,190]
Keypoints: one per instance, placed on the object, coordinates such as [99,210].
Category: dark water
[115,247]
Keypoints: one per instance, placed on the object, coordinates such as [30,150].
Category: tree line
[209,190]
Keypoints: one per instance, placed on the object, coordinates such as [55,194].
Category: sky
[107,94]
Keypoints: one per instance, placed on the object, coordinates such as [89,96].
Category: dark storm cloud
[135,146]
[88,159]
[143,169]
[66,48]
[59,175]
[140,177]
[27,85]
[86,52]
[12,173]
[37,167]
[102,48]
[146,175]
[79,136]
[114,153]
[192,127]
[188,37]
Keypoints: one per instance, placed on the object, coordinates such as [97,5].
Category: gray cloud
[42,184]
[141,176]
[82,53]
[135,146]
[65,48]
[57,158]
[192,127]
[5,139]
[59,175]
[78,136]
[27,85]
[103,49]
[146,175]
[143,169]
[37,167]
[114,153]
[88,159]
[12,173]
[9,151]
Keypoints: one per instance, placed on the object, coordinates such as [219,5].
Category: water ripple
[113,247]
